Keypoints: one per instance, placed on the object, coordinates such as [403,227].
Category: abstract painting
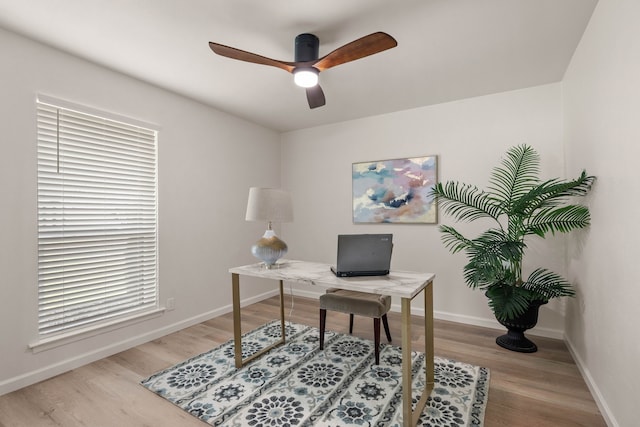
[395,191]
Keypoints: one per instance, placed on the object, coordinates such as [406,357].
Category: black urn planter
[514,339]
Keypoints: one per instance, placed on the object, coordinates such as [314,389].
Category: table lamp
[270,205]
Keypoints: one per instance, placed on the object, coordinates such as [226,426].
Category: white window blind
[97,219]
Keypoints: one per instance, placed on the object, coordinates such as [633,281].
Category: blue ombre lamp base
[269,249]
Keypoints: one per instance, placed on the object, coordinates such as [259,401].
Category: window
[97,217]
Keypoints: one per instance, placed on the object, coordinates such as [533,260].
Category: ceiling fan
[306,66]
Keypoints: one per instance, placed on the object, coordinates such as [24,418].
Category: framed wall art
[395,191]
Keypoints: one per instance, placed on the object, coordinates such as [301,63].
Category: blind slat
[97,216]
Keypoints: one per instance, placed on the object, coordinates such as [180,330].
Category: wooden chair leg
[385,322]
[350,323]
[376,338]
[323,322]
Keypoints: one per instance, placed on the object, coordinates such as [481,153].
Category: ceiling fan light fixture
[305,77]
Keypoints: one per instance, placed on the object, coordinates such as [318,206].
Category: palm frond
[483,273]
[491,258]
[453,240]
[494,242]
[465,202]
[553,192]
[509,302]
[561,219]
[547,284]
[517,175]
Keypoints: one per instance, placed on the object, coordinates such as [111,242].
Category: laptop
[363,255]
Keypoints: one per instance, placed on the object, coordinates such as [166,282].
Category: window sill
[49,343]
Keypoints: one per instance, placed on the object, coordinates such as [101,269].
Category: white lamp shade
[269,204]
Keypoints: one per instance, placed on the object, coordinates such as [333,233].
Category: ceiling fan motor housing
[306,48]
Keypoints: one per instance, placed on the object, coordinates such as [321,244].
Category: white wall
[602,133]
[469,137]
[207,162]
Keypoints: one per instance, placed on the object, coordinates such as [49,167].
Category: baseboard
[46,372]
[593,387]
[29,378]
[493,324]
[459,318]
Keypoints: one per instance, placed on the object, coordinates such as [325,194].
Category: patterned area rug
[296,384]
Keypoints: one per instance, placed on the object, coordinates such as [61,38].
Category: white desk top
[403,284]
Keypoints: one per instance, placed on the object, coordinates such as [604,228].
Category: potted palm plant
[520,207]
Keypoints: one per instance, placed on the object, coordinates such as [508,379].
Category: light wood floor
[539,389]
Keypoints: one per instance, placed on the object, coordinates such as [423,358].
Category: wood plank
[538,389]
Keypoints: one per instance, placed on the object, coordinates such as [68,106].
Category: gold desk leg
[428,353]
[282,329]
[429,347]
[237,326]
[409,417]
[406,361]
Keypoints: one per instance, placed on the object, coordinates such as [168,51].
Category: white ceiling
[447,49]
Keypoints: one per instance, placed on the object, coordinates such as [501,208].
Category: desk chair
[360,303]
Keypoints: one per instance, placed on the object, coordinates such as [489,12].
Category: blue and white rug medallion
[297,385]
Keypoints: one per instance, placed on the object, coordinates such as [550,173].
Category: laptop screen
[364,254]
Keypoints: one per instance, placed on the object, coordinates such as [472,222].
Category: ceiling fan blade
[365,46]
[315,96]
[233,53]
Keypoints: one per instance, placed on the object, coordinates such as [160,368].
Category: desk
[403,284]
